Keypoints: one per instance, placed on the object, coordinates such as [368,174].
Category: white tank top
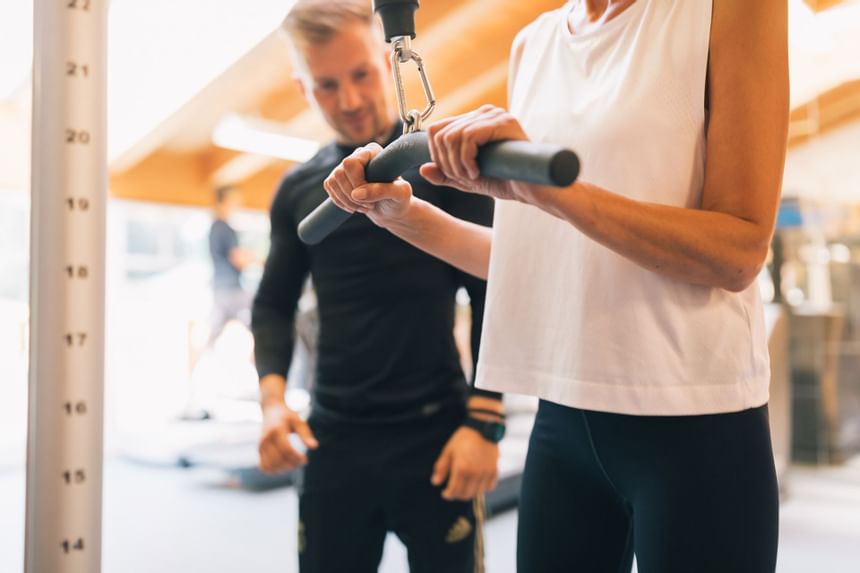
[571,321]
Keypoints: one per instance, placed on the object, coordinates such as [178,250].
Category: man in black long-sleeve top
[392,410]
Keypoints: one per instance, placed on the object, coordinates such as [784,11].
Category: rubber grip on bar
[540,163]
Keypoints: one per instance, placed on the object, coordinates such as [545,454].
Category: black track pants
[365,480]
[687,494]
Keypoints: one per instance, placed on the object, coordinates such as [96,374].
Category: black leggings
[685,493]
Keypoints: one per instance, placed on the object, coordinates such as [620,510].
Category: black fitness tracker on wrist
[492,431]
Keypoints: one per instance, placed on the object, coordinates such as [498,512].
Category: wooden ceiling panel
[259,189]
[163,177]
[470,60]
[819,5]
[830,110]
[286,101]
[465,46]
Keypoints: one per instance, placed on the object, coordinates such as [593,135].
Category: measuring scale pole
[67,288]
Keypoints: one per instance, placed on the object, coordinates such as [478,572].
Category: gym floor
[173,520]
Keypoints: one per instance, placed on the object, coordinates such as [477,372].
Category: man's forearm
[487,404]
[459,243]
[272,390]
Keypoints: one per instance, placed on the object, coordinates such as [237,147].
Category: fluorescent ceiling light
[262,137]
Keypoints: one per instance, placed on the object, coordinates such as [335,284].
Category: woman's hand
[454,144]
[383,203]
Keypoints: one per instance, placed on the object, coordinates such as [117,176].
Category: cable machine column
[67,288]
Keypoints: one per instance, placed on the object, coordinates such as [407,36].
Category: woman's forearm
[697,246]
[459,243]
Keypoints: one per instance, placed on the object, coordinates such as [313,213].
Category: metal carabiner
[402,53]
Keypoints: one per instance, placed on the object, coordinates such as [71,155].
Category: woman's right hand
[383,203]
[454,143]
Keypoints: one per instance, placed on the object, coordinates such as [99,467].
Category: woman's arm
[392,206]
[724,243]
[459,243]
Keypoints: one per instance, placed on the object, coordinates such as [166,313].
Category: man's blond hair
[318,21]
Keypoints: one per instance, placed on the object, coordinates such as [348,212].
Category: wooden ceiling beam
[176,178]
[185,178]
[465,46]
[286,101]
[190,182]
[830,110]
[489,87]
[164,177]
[453,44]
[259,189]
[819,5]
[501,20]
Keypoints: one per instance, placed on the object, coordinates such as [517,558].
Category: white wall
[826,168]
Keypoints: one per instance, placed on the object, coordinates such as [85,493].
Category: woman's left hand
[454,144]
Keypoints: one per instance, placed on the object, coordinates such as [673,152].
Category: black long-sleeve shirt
[386,309]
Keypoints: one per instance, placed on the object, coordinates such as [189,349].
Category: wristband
[499,415]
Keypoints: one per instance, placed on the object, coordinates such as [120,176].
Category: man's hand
[277,454]
[469,463]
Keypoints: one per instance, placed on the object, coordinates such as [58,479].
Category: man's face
[348,78]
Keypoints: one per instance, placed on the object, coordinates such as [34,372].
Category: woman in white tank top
[627,302]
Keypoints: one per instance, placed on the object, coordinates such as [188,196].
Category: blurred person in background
[230,301]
